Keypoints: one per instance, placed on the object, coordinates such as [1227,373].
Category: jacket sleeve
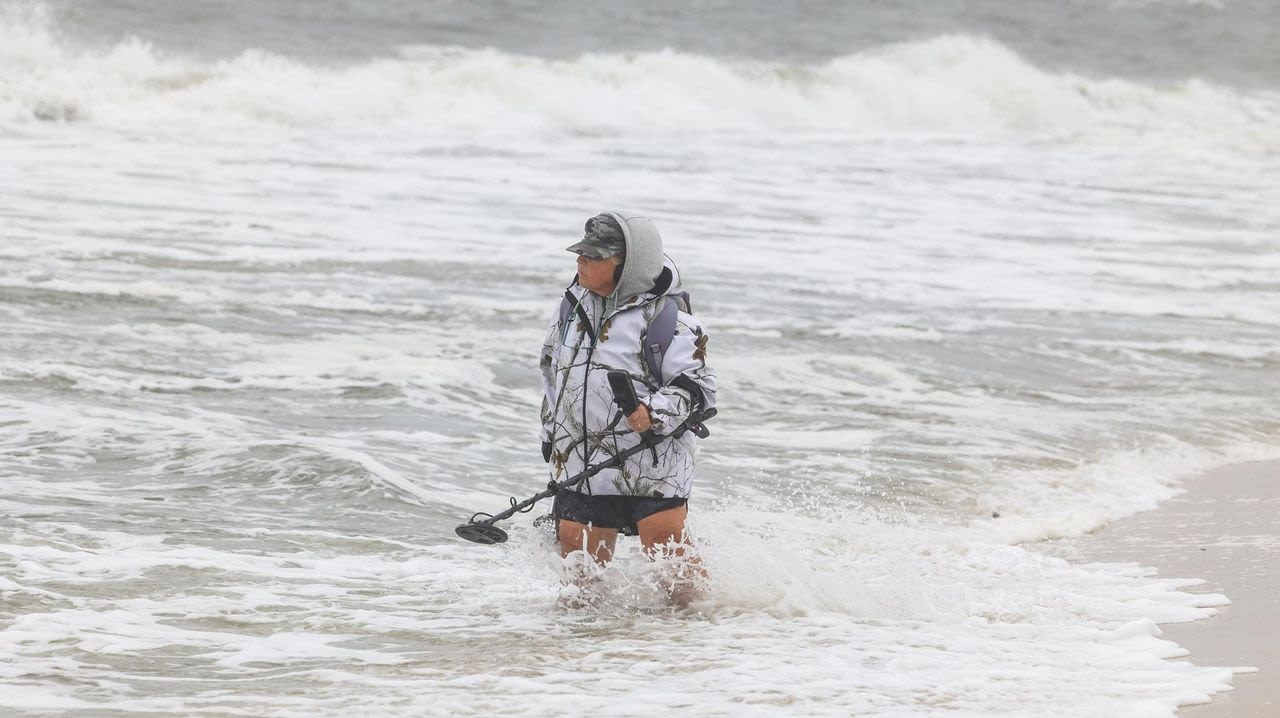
[547,368]
[670,405]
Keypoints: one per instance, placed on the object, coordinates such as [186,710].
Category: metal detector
[484,530]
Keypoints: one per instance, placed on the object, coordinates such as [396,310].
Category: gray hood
[644,256]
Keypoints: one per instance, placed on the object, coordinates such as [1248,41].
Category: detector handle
[624,392]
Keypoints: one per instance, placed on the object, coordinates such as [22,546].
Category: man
[623,283]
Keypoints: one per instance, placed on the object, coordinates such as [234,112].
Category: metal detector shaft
[484,531]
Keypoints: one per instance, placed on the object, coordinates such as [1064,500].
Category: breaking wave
[953,84]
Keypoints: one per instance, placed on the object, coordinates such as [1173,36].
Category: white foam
[1040,504]
[888,615]
[948,84]
[244,413]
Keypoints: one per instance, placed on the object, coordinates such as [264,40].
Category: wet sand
[1226,530]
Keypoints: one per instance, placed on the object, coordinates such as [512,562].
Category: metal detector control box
[624,393]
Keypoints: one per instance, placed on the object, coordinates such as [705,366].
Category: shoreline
[1225,530]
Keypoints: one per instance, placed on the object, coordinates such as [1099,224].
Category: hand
[640,420]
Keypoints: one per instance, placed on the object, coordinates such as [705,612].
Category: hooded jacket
[579,416]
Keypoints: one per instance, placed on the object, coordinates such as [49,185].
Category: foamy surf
[950,85]
[270,329]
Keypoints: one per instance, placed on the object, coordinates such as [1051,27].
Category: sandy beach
[1223,529]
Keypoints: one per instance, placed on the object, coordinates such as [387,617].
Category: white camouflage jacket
[579,416]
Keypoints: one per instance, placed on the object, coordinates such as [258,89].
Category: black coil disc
[479,532]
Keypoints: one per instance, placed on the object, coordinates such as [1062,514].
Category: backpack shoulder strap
[661,330]
[568,303]
[568,300]
[566,306]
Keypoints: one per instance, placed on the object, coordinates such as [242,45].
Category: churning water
[271,315]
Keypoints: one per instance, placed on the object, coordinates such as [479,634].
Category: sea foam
[948,84]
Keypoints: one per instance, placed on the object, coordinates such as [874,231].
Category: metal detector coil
[481,532]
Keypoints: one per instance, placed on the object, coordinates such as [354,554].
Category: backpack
[657,336]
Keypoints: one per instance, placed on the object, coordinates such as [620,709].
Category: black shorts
[610,512]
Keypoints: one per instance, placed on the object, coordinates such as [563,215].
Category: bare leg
[597,542]
[580,577]
[663,534]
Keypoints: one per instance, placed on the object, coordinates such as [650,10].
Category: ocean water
[273,281]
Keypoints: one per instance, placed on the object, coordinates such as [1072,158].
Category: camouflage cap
[602,239]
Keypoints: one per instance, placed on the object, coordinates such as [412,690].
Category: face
[597,274]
